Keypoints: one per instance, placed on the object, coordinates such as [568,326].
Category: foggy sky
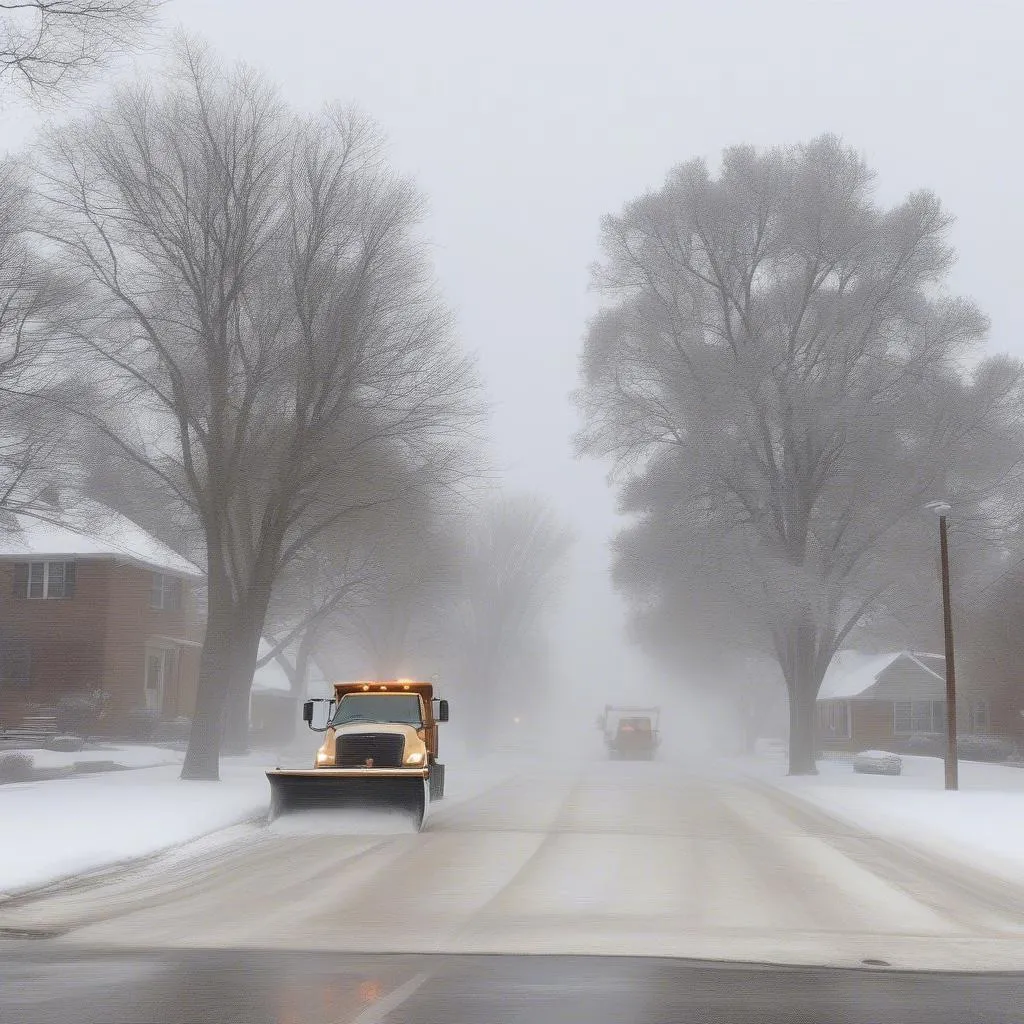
[525,122]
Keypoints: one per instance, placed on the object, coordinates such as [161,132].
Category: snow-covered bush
[924,744]
[16,766]
[877,762]
[984,748]
[67,743]
[79,714]
[142,723]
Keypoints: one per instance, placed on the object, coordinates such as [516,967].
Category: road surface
[611,859]
[280,988]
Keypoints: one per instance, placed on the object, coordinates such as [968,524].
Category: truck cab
[383,725]
[379,749]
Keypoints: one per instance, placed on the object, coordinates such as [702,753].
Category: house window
[910,716]
[15,663]
[979,715]
[41,581]
[165,593]
[834,718]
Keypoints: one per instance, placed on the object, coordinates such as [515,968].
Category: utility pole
[952,763]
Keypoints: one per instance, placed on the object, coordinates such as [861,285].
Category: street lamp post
[942,509]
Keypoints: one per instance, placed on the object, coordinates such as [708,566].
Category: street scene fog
[510,513]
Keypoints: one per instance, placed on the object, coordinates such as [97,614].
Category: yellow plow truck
[379,751]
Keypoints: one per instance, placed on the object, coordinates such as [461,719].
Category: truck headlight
[416,757]
[324,759]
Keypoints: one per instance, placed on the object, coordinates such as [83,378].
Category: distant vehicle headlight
[416,757]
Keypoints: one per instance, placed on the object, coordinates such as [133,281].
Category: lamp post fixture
[942,509]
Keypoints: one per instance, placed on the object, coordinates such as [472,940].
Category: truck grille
[384,749]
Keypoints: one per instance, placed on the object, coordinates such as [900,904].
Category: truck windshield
[379,707]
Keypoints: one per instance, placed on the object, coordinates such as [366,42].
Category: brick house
[878,702]
[95,603]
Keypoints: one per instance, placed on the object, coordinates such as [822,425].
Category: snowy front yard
[136,756]
[56,829]
[982,824]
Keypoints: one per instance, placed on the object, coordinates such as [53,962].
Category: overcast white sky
[525,122]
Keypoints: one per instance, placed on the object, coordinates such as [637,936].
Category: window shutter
[21,579]
[69,579]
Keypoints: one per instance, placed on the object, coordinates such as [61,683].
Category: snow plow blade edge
[325,789]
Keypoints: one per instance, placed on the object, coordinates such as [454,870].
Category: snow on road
[71,826]
[600,858]
[981,824]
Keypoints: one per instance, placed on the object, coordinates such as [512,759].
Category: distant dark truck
[630,734]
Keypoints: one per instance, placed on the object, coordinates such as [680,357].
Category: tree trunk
[801,734]
[244,655]
[249,622]
[202,758]
[803,680]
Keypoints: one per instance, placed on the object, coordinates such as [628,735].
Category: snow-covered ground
[56,829]
[126,756]
[981,824]
[78,825]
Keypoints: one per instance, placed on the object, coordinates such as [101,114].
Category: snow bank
[127,757]
[57,829]
[982,824]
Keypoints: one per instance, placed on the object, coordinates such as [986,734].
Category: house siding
[871,723]
[65,638]
[97,639]
[132,627]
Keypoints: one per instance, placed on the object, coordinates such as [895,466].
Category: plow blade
[324,789]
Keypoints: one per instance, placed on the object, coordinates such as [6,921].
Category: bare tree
[781,384]
[465,595]
[400,625]
[34,454]
[327,586]
[263,328]
[53,46]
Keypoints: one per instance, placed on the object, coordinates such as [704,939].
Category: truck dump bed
[631,733]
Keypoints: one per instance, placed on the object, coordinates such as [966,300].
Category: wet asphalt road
[273,988]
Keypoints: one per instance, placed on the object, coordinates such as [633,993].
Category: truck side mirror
[442,711]
[307,713]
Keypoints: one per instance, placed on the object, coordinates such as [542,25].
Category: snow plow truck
[379,751]
[630,734]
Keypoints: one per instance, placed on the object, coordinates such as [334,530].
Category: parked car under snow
[877,762]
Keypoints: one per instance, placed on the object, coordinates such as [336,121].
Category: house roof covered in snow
[89,530]
[899,675]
